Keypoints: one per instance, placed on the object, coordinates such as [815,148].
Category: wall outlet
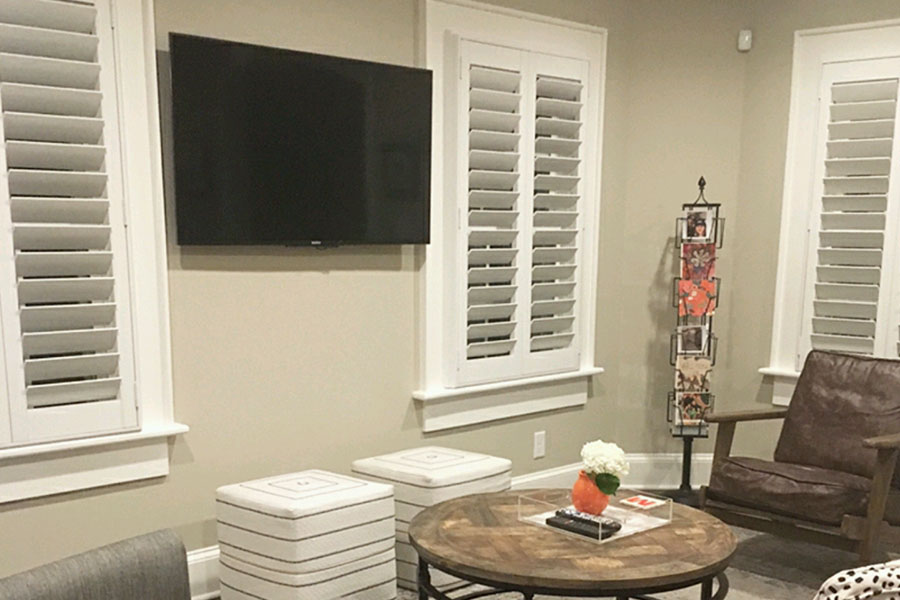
[540,444]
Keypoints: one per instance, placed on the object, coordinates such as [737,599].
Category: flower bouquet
[603,466]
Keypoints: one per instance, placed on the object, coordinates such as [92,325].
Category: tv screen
[283,147]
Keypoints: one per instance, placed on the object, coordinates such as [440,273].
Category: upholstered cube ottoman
[305,536]
[425,476]
[371,578]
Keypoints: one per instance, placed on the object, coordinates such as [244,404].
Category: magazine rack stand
[699,233]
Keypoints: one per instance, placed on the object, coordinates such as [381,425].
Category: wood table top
[479,537]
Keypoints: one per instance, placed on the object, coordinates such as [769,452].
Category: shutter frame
[541,304]
[491,132]
[558,211]
[851,297]
[68,245]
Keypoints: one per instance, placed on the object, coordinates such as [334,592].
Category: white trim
[52,467]
[443,406]
[520,14]
[121,411]
[203,572]
[441,393]
[776,372]
[651,471]
[841,28]
[783,390]
[813,49]
[557,477]
[32,472]
[149,433]
[145,211]
[783,383]
[662,471]
[474,408]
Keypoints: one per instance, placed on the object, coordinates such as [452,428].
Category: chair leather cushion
[801,491]
[839,401]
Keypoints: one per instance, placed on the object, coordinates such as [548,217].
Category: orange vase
[587,497]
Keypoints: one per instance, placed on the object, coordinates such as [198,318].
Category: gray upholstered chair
[147,567]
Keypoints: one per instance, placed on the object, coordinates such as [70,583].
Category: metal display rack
[699,234]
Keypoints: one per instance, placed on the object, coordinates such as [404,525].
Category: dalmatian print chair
[874,581]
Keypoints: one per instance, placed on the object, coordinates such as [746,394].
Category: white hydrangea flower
[602,457]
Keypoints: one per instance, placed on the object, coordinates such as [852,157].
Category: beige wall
[290,359]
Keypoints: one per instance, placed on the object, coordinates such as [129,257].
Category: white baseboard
[651,471]
[557,477]
[203,572]
[648,471]
[663,471]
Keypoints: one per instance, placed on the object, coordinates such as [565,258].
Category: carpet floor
[764,567]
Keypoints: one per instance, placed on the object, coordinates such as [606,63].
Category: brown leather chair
[833,479]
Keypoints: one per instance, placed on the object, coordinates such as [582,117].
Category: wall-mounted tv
[282,147]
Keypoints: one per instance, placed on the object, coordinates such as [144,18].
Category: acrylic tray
[535,507]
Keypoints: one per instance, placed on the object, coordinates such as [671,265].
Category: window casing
[83,309]
[837,287]
[509,277]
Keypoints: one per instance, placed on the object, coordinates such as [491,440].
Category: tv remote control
[579,527]
[607,523]
[584,524]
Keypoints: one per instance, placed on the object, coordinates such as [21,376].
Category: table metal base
[427,590]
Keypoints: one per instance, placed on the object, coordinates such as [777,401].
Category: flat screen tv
[282,147]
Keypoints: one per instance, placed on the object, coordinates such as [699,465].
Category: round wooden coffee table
[480,539]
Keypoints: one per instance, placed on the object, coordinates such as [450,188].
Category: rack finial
[701,183]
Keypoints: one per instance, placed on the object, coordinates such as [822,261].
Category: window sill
[784,382]
[442,393]
[150,433]
[59,467]
[779,372]
[446,408]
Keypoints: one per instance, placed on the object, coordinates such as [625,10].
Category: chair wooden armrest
[736,416]
[727,422]
[891,440]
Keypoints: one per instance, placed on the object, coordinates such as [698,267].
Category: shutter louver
[853,216]
[56,157]
[493,211]
[555,212]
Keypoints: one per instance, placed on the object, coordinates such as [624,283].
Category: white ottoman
[426,476]
[306,536]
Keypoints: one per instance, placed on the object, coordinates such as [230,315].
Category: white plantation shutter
[853,233]
[491,236]
[65,296]
[520,135]
[556,202]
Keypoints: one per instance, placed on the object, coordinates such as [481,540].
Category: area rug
[764,567]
